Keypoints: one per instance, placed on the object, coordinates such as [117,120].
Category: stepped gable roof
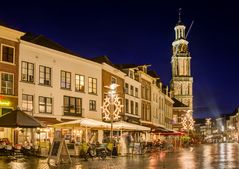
[177,103]
[44,41]
[103,59]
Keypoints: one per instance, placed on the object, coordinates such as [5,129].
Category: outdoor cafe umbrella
[84,122]
[122,125]
[18,118]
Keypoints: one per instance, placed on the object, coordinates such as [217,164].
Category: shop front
[7,103]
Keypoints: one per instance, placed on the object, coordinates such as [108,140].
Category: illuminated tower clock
[182,81]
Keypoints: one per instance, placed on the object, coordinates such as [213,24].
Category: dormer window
[131,74]
[144,69]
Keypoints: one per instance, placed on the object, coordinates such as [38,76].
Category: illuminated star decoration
[106,107]
[187,121]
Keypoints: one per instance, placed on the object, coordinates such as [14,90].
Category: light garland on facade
[111,106]
[187,121]
[106,108]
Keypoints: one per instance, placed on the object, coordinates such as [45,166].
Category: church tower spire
[181,83]
[179,16]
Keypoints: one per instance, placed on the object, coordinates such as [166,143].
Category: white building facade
[54,84]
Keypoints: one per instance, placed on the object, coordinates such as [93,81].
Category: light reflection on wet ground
[213,156]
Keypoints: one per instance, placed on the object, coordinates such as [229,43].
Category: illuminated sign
[4,103]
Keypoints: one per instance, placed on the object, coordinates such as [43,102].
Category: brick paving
[201,157]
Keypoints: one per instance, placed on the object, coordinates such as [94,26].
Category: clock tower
[182,81]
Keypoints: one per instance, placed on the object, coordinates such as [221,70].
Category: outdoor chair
[17,151]
[9,150]
[2,149]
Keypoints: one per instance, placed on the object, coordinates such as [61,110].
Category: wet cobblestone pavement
[213,156]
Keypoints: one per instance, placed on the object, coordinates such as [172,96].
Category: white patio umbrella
[84,122]
[122,125]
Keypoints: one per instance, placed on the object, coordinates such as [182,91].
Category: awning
[84,122]
[172,134]
[48,120]
[18,118]
[122,125]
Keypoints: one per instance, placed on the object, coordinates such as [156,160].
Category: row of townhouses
[54,84]
[224,128]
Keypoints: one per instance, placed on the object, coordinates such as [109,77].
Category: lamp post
[111,107]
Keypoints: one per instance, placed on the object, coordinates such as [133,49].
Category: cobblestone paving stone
[216,156]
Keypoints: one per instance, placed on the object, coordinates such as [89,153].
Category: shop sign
[5,103]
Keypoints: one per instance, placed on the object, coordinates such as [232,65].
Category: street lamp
[111,107]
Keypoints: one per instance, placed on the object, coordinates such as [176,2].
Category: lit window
[45,75]
[65,80]
[7,84]
[80,83]
[45,104]
[92,105]
[126,88]
[72,106]
[92,85]
[131,74]
[27,72]
[27,102]
[175,119]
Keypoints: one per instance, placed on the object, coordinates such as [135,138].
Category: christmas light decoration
[187,121]
[111,107]
[108,101]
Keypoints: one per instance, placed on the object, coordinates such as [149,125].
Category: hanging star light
[187,121]
[106,108]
